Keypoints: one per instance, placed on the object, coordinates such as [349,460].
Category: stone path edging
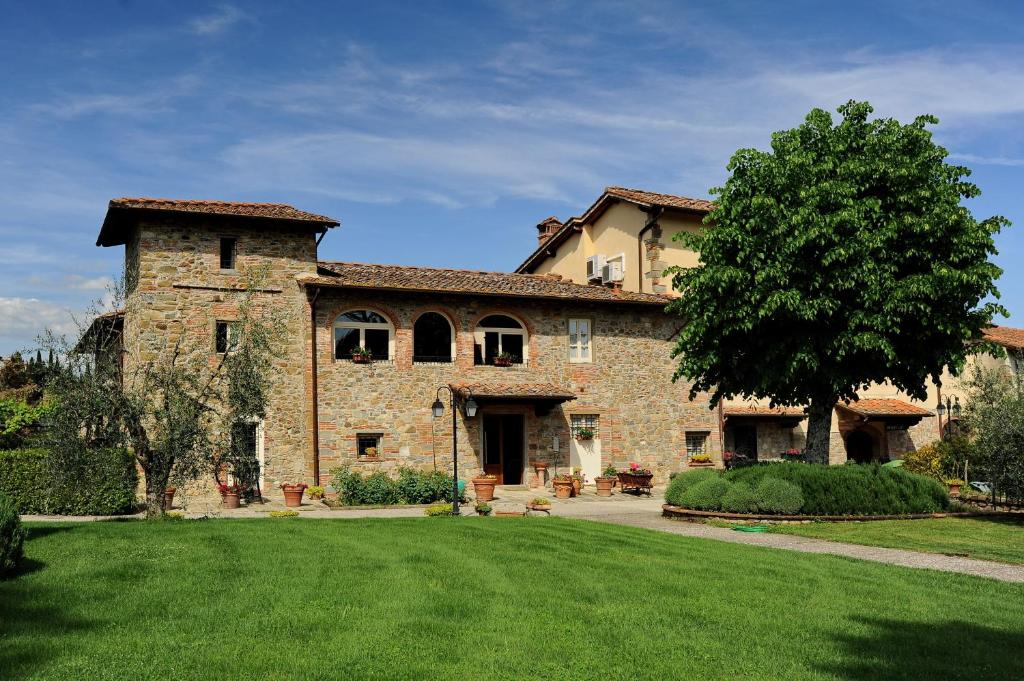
[670,511]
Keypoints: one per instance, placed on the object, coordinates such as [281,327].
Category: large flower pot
[361,359]
[293,495]
[701,464]
[577,487]
[484,488]
[502,362]
[563,489]
[540,467]
[169,498]
[604,486]
[231,500]
[954,490]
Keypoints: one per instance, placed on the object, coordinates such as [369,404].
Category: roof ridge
[449,269]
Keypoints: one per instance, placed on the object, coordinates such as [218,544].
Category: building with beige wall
[635,229]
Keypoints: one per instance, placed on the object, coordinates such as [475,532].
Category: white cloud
[218,22]
[80,283]
[22,320]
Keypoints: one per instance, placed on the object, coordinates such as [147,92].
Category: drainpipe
[721,429]
[938,417]
[652,220]
[315,389]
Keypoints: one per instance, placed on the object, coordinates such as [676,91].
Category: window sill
[421,363]
[343,360]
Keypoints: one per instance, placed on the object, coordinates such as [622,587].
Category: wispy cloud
[988,160]
[224,18]
[23,319]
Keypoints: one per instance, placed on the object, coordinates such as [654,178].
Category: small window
[227,253]
[696,444]
[585,424]
[368,445]
[579,340]
[364,329]
[432,339]
[500,337]
[226,337]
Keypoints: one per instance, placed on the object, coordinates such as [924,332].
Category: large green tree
[841,257]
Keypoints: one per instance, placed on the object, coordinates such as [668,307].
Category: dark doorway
[503,447]
[744,441]
[860,447]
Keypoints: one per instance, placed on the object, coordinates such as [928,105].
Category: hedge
[106,485]
[852,489]
[682,482]
[377,489]
[12,536]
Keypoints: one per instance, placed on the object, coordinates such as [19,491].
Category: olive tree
[993,422]
[841,257]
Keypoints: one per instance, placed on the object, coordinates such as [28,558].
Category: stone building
[369,348]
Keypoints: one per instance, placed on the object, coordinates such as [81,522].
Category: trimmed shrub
[852,489]
[682,482]
[775,495]
[379,489]
[417,487]
[706,495]
[438,510]
[12,536]
[740,499]
[104,485]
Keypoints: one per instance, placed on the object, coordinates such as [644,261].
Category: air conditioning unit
[594,265]
[611,272]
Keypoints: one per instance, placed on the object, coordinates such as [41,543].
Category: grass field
[481,599]
[1000,539]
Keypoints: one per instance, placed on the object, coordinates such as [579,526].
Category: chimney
[546,228]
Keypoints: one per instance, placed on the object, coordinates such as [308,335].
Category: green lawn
[999,539]
[481,598]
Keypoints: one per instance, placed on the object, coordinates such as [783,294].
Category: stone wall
[643,415]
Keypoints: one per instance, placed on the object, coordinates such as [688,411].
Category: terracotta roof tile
[431,279]
[277,211]
[663,200]
[520,391]
[1006,336]
[756,410]
[884,407]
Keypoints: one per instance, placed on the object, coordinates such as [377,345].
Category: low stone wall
[670,511]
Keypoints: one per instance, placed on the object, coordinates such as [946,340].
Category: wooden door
[503,447]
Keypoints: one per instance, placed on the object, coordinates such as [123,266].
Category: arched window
[433,339]
[499,336]
[363,329]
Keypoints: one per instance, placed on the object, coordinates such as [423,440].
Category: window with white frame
[364,329]
[499,336]
[585,423]
[580,341]
[696,443]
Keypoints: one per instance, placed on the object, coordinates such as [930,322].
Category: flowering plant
[727,456]
[577,473]
[361,352]
[229,489]
[700,458]
[487,476]
[635,469]
[792,453]
[301,485]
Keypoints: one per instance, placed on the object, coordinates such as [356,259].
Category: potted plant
[563,485]
[584,434]
[316,492]
[483,508]
[504,359]
[636,478]
[370,453]
[293,493]
[701,461]
[604,484]
[231,495]
[361,355]
[577,481]
[954,486]
[612,472]
[169,498]
[541,468]
[539,504]
[483,485]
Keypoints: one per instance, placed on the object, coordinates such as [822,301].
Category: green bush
[852,489]
[684,481]
[411,487]
[706,495]
[775,495]
[740,499]
[438,510]
[12,536]
[105,484]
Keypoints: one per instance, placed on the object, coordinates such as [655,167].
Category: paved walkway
[643,512]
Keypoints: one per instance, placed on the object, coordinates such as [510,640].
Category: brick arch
[446,312]
[387,312]
[531,336]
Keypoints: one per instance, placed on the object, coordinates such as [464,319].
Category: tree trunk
[156,486]
[819,427]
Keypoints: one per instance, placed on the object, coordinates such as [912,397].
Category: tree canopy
[841,257]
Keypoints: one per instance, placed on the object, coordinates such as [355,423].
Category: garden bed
[670,511]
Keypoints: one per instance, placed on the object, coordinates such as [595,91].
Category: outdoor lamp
[470,407]
[437,408]
[940,410]
[955,411]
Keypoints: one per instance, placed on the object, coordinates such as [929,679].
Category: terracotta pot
[954,490]
[293,495]
[577,487]
[231,500]
[484,488]
[701,464]
[539,507]
[563,489]
[169,498]
[502,362]
[361,359]
[604,486]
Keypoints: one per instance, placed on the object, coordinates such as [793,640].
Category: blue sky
[441,133]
